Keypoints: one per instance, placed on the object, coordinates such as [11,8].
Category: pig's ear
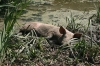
[62,30]
[77,35]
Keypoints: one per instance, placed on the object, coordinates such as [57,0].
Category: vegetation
[11,14]
[85,49]
[32,50]
[98,14]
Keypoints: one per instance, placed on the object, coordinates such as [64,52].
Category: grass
[32,50]
[85,49]
[98,13]
[72,25]
[11,15]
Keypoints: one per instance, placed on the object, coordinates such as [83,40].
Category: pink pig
[58,35]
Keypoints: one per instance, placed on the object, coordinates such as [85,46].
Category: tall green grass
[84,49]
[97,13]
[72,25]
[13,11]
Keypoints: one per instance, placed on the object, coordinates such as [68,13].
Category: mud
[56,11]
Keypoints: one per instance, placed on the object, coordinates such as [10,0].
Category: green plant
[5,4]
[97,13]
[84,49]
[11,15]
[72,25]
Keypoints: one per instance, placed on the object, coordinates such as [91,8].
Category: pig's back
[44,29]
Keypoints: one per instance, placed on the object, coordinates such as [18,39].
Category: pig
[59,35]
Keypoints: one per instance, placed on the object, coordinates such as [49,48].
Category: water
[56,11]
[77,5]
[68,4]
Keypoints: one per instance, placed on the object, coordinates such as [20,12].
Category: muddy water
[76,5]
[56,11]
[68,4]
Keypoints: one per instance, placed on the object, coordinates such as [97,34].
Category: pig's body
[57,34]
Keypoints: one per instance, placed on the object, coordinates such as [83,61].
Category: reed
[10,18]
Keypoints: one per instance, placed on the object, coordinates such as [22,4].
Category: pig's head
[67,35]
